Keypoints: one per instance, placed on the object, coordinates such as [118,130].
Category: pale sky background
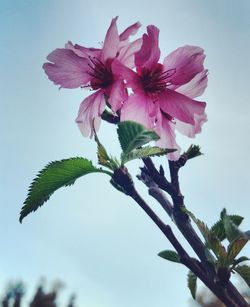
[96,240]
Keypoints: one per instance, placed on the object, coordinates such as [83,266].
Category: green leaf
[192,283]
[231,229]
[103,157]
[223,213]
[212,241]
[244,272]
[239,260]
[145,152]
[170,256]
[133,135]
[219,230]
[54,176]
[193,151]
[235,248]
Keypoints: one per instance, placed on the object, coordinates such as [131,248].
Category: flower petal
[127,53]
[90,111]
[139,108]
[187,61]
[131,30]
[111,42]
[181,107]
[196,86]
[149,54]
[165,130]
[131,77]
[67,69]
[118,95]
[83,51]
[191,130]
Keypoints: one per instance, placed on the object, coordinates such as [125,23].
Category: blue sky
[89,235]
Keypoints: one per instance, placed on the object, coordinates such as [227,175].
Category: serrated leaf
[54,176]
[170,256]
[223,213]
[103,157]
[239,260]
[218,249]
[235,248]
[192,283]
[244,272]
[145,152]
[219,230]
[231,229]
[212,241]
[193,152]
[133,135]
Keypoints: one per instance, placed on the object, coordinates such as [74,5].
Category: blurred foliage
[15,293]
[207,299]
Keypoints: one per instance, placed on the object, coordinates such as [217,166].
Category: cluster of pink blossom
[161,96]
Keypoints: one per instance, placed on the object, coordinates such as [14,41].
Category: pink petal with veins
[139,108]
[132,79]
[180,107]
[83,51]
[191,130]
[118,95]
[196,86]
[165,129]
[187,61]
[131,30]
[149,54]
[90,111]
[67,69]
[127,53]
[111,42]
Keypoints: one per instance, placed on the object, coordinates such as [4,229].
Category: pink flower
[76,66]
[163,94]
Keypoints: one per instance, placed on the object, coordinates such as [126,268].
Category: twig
[124,180]
[156,192]
[181,218]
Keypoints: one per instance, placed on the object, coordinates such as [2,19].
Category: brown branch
[156,192]
[157,176]
[182,220]
[123,179]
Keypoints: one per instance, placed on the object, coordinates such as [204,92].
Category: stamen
[156,80]
[100,72]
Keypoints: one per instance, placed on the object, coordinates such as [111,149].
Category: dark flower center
[156,80]
[101,73]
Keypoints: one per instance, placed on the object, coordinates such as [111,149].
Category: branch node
[123,179]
